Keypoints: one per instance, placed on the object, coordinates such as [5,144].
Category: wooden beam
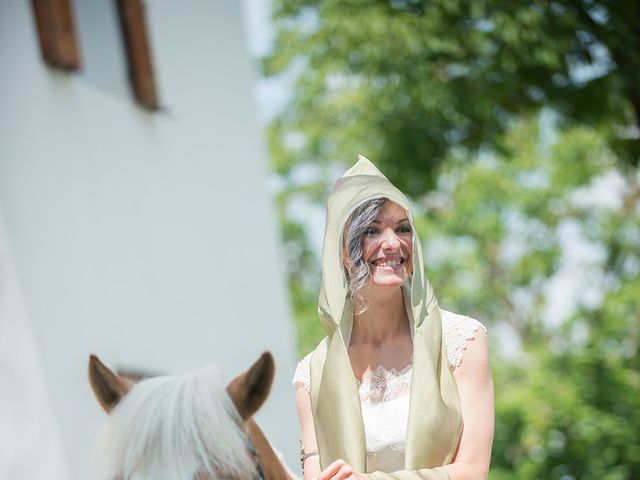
[134,31]
[57,33]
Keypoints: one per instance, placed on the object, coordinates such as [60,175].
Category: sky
[258,31]
[270,94]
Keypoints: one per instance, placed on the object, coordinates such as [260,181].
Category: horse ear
[249,390]
[108,387]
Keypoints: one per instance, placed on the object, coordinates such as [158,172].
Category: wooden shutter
[134,31]
[57,33]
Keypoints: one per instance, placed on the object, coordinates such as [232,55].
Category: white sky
[257,21]
[270,94]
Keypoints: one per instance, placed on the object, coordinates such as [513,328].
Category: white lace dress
[384,396]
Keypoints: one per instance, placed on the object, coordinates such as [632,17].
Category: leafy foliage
[514,126]
[407,80]
[499,232]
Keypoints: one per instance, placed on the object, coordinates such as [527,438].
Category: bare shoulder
[455,321]
[476,357]
[462,334]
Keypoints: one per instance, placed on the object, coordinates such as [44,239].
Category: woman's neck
[384,319]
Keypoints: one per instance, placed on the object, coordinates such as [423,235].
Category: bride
[399,388]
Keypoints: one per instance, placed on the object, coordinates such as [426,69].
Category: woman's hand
[340,470]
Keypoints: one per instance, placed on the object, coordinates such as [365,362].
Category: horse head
[185,426]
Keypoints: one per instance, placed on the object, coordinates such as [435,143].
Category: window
[101,36]
[104,60]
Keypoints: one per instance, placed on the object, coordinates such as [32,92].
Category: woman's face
[387,246]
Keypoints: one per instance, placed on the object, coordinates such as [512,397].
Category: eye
[405,228]
[370,231]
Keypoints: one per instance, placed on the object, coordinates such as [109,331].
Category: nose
[390,241]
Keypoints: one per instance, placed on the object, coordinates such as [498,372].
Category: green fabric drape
[435,421]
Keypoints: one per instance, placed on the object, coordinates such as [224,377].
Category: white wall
[30,446]
[149,239]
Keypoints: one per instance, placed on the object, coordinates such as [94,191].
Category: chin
[389,282]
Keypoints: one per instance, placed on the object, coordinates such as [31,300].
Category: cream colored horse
[185,427]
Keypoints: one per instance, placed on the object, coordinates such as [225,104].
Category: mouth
[388,262]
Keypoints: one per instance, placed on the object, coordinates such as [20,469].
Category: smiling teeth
[389,263]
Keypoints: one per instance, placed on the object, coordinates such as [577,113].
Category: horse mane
[175,427]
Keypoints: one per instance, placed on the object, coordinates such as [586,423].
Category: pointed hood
[435,421]
[361,183]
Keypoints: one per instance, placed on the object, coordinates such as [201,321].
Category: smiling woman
[378,237]
[377,398]
[387,245]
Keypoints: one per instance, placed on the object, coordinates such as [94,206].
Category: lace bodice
[381,385]
[384,395]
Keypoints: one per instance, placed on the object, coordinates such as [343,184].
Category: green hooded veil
[435,421]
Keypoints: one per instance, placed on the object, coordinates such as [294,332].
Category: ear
[249,390]
[108,387]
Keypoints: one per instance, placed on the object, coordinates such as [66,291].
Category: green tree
[568,405]
[407,80]
[509,124]
[495,235]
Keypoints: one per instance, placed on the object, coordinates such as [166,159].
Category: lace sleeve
[302,377]
[457,330]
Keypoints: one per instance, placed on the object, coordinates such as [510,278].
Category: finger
[343,473]
[330,471]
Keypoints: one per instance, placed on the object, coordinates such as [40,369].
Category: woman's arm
[311,465]
[475,386]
